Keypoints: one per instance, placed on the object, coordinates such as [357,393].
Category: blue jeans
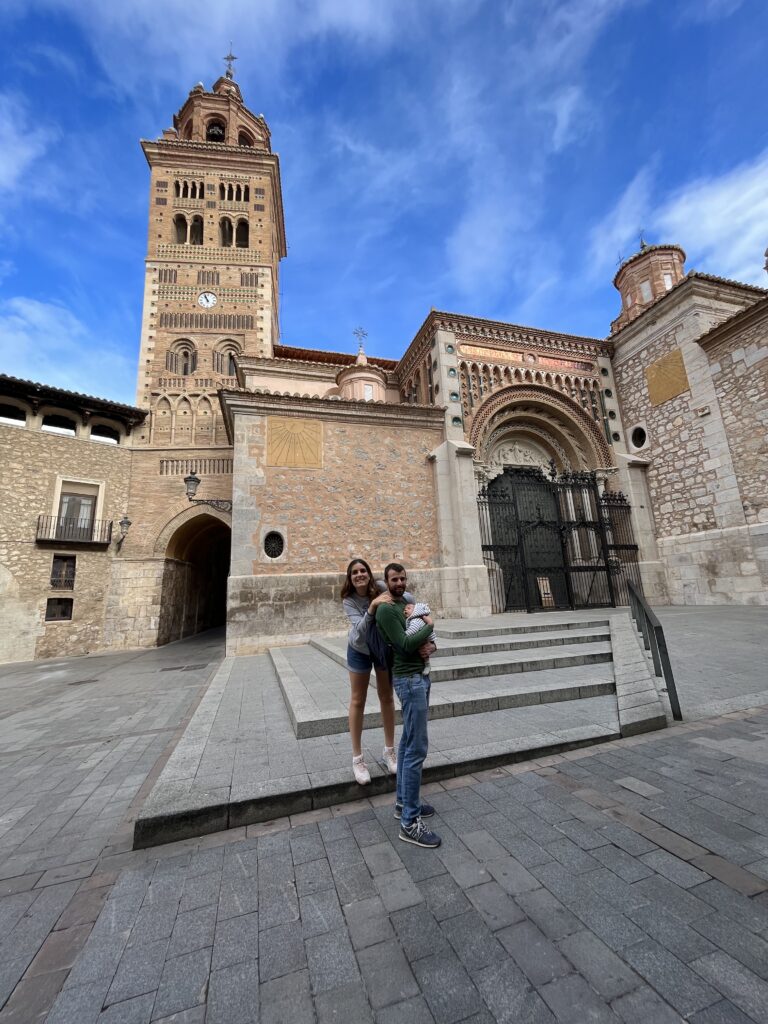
[413,693]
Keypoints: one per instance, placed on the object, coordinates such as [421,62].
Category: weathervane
[230,59]
[361,334]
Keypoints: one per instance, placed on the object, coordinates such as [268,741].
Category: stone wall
[32,461]
[739,367]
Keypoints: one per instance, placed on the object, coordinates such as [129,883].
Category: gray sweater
[356,610]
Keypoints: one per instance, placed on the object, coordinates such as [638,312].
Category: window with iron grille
[58,609]
[63,572]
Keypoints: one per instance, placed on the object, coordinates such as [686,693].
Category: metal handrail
[653,637]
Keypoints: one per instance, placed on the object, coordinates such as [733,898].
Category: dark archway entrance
[194,593]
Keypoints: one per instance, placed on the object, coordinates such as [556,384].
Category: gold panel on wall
[294,443]
[666,378]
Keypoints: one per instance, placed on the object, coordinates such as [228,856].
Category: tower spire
[229,60]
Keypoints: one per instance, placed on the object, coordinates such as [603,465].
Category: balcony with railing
[63,530]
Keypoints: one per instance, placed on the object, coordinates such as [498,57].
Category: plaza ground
[623,882]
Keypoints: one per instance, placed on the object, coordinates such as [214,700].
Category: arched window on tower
[216,131]
[185,190]
[241,235]
[238,194]
[222,192]
[230,193]
[244,139]
[180,229]
[196,231]
[246,193]
[224,358]
[177,188]
[187,360]
[188,129]
[225,232]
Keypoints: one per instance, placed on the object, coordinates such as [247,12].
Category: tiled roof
[314,355]
[18,385]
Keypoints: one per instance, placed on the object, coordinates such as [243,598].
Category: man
[412,688]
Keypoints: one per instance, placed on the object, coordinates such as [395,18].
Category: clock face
[206,300]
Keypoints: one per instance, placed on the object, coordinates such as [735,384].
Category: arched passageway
[194,593]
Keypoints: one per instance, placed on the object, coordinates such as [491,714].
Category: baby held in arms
[414,621]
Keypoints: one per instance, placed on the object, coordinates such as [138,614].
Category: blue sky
[486,157]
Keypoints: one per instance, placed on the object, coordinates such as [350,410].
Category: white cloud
[616,236]
[709,10]
[722,222]
[46,342]
[29,142]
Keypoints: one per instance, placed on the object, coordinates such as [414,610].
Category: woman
[360,597]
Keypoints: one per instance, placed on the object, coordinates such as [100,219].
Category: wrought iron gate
[555,542]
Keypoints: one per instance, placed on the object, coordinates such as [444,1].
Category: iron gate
[554,542]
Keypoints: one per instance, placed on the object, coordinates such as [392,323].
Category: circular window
[611,415]
[434,364]
[456,421]
[615,436]
[604,371]
[452,371]
[454,396]
[274,545]
[638,437]
[449,348]
[608,393]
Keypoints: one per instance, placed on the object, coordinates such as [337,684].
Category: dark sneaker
[419,835]
[427,810]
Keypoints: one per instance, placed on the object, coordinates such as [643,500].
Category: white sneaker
[390,760]
[362,775]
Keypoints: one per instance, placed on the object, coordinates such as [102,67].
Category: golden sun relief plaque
[666,377]
[294,443]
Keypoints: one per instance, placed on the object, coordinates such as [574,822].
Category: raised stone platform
[241,761]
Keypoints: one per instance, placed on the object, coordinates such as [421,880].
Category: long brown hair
[348,587]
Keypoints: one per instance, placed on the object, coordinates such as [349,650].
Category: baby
[414,621]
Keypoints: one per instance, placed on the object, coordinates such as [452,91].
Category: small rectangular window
[259,192]
[668,281]
[161,201]
[368,392]
[58,609]
[645,291]
[63,572]
[259,207]
[161,184]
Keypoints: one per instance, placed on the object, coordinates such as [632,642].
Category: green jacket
[390,618]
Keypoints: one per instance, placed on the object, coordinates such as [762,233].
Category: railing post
[674,702]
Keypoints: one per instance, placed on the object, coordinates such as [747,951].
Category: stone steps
[486,645]
[542,625]
[316,690]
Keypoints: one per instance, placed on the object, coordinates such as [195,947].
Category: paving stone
[472,940]
[419,933]
[644,1006]
[320,913]
[184,983]
[731,937]
[448,989]
[411,1011]
[509,996]
[193,930]
[139,971]
[721,1013]
[281,951]
[59,950]
[381,859]
[347,1004]
[512,876]
[571,856]
[615,890]
[626,839]
[608,975]
[548,913]
[443,896]
[194,1015]
[278,904]
[331,961]
[236,940]
[572,1000]
[743,988]
[233,995]
[387,976]
[133,1011]
[676,870]
[747,911]
[732,875]
[80,1004]
[368,922]
[353,882]
[237,896]
[313,877]
[680,903]
[496,908]
[287,1000]
[623,864]
[534,954]
[670,977]
[673,934]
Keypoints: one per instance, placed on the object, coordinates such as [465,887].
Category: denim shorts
[359,662]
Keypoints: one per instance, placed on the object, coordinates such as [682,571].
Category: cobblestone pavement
[624,882]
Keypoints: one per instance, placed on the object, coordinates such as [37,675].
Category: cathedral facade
[507,467]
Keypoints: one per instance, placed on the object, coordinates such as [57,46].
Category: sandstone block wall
[32,460]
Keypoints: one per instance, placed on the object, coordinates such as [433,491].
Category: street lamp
[191,483]
[125,525]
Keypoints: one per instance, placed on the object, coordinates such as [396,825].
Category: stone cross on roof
[230,59]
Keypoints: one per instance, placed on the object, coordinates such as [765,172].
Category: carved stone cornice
[269,403]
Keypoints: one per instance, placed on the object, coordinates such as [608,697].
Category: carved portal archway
[534,426]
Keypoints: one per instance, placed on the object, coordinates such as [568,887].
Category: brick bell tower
[216,238]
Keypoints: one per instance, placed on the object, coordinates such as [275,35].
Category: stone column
[464,577]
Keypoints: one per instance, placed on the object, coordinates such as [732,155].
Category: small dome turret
[645,277]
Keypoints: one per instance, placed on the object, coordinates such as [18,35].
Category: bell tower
[215,241]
